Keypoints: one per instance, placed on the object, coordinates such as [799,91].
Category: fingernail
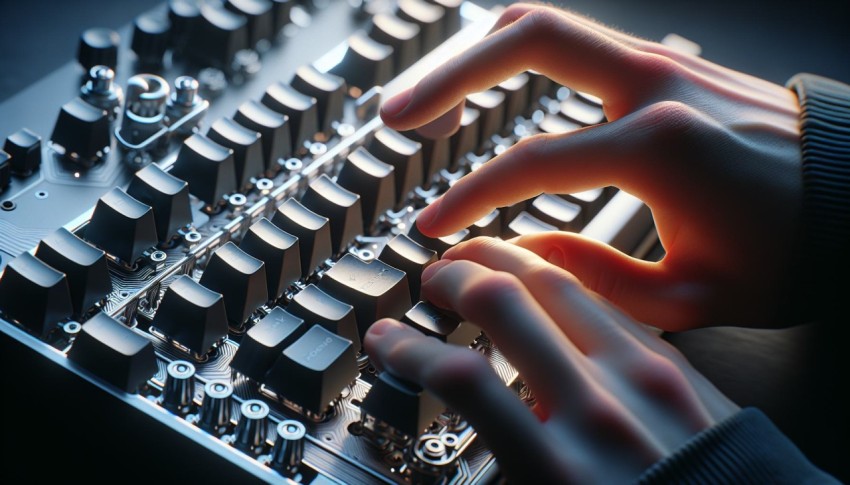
[397,103]
[444,126]
[383,327]
[428,215]
[556,257]
[432,269]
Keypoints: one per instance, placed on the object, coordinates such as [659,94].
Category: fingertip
[395,105]
[443,126]
[432,269]
[426,218]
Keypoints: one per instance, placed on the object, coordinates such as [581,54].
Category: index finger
[543,40]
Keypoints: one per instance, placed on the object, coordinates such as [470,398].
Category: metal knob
[289,445]
[217,406]
[179,387]
[251,430]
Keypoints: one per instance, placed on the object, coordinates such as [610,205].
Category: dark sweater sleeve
[824,252]
[745,448]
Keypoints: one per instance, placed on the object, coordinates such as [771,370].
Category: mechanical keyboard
[203,214]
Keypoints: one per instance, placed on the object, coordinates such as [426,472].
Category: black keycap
[451,19]
[314,370]
[329,91]
[509,213]
[342,207]
[83,131]
[5,171]
[246,146]
[439,324]
[122,226]
[264,342]
[114,353]
[98,47]
[24,147]
[84,266]
[375,289]
[274,128]
[466,138]
[516,96]
[409,256]
[435,155]
[539,86]
[491,106]
[185,16]
[167,195]
[301,109]
[259,15]
[401,404]
[399,34]
[279,250]
[216,37]
[556,211]
[208,167]
[366,63]
[575,109]
[34,294]
[439,244]
[241,278]
[525,224]
[312,230]
[373,180]
[489,225]
[316,306]
[591,202]
[150,38]
[404,154]
[281,10]
[192,315]
[428,17]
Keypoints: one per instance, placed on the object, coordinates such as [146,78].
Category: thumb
[648,291]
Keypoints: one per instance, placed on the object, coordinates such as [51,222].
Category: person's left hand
[612,398]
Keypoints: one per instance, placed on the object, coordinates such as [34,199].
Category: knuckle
[656,68]
[671,123]
[459,370]
[659,377]
[541,22]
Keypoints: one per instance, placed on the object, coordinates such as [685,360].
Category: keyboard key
[316,306]
[435,155]
[516,97]
[122,226]
[491,105]
[314,370]
[466,138]
[114,353]
[273,128]
[439,244]
[208,167]
[167,195]
[409,256]
[329,91]
[24,147]
[574,109]
[428,17]
[375,289]
[401,404]
[192,315]
[241,278]
[401,35]
[5,171]
[363,174]
[34,294]
[84,266]
[150,39]
[556,125]
[281,10]
[405,155]
[184,16]
[312,230]
[246,146]
[539,86]
[259,15]
[264,342]
[367,63]
[525,224]
[216,37]
[83,131]
[451,18]
[279,250]
[489,225]
[437,323]
[556,211]
[342,207]
[591,201]
[301,109]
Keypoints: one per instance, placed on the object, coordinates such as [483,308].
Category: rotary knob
[98,47]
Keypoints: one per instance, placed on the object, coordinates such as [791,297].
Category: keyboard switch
[316,306]
[363,174]
[34,294]
[409,256]
[241,278]
[279,250]
[312,230]
[401,404]
[263,342]
[342,207]
[122,226]
[191,315]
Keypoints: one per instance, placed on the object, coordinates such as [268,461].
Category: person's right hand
[713,152]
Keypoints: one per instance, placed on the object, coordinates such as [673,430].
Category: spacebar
[625,223]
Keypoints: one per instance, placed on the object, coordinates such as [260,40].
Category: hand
[612,397]
[713,152]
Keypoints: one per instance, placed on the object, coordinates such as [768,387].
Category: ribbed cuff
[825,144]
[745,448]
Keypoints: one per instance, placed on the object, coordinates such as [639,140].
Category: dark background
[797,376]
